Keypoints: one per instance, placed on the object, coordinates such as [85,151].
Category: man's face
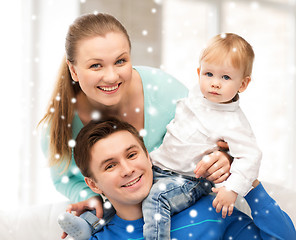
[121,170]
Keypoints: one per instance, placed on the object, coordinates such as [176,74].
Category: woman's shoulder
[161,84]
[157,77]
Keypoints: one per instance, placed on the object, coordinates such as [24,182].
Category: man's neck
[130,213]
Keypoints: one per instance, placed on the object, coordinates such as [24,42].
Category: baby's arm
[224,200]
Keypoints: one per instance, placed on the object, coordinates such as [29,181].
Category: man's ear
[92,185]
[244,84]
[72,71]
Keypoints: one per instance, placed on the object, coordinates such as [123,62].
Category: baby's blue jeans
[170,194]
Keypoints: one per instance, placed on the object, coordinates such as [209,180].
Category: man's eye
[226,77]
[132,155]
[209,74]
[110,166]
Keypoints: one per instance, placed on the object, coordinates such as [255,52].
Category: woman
[97,78]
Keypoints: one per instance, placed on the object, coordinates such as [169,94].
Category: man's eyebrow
[131,147]
[105,161]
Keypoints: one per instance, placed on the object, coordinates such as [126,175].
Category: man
[113,158]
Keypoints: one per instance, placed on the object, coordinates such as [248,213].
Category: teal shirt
[161,91]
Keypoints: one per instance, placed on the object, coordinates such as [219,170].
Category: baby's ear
[198,72]
[92,185]
[245,83]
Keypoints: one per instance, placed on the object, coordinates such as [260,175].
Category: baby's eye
[209,74]
[226,77]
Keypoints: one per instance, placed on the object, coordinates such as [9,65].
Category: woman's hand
[215,166]
[93,203]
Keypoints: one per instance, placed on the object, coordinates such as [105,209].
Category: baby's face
[220,83]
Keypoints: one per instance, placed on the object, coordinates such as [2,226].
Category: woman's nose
[110,75]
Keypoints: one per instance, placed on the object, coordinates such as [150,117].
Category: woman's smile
[109,89]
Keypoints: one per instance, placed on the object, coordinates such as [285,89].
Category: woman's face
[103,68]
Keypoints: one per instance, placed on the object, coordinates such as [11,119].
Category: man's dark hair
[95,131]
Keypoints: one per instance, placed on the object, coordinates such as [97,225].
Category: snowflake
[65,179]
[150,49]
[95,115]
[157,216]
[159,2]
[72,143]
[144,32]
[152,111]
[193,213]
[162,187]
[75,170]
[153,10]
[206,158]
[130,228]
[107,205]
[83,193]
[143,132]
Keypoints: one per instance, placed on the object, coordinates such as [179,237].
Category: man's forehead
[115,143]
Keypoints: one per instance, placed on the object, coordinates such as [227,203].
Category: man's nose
[126,168]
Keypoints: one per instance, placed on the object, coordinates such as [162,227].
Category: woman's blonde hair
[61,107]
[230,45]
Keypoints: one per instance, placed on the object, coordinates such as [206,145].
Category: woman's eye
[96,65]
[226,77]
[209,74]
[121,61]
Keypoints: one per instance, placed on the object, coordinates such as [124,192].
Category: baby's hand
[224,200]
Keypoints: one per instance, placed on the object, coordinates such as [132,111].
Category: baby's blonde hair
[230,45]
